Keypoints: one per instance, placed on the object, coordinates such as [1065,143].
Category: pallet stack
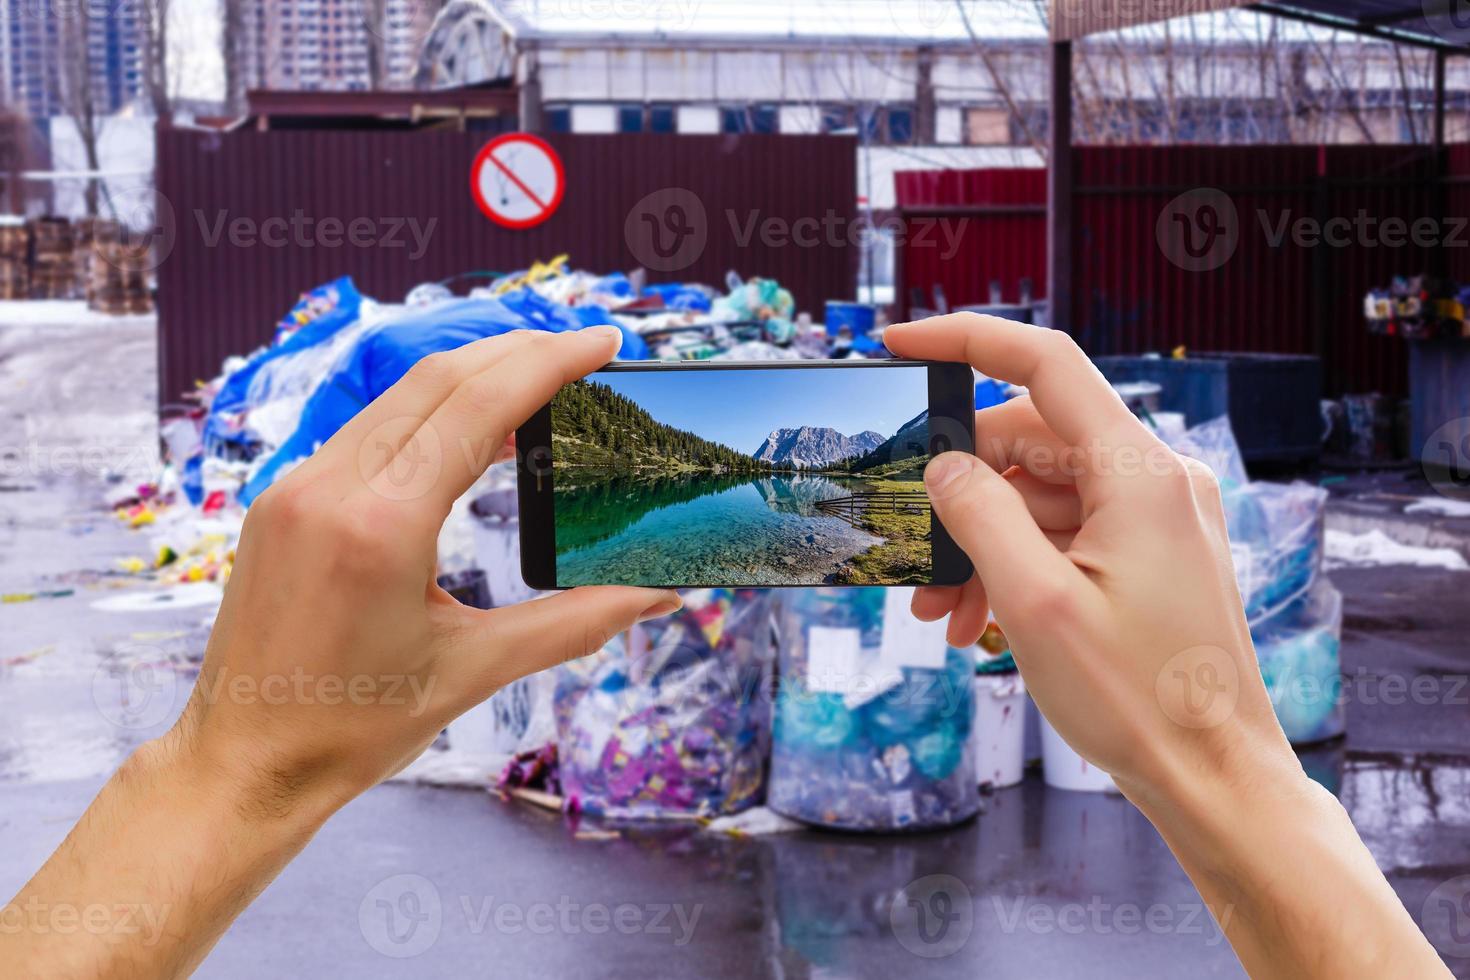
[15,259]
[53,259]
[120,264]
[87,232]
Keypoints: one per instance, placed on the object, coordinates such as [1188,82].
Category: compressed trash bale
[1299,652]
[893,752]
[674,723]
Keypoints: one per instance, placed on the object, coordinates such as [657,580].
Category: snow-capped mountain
[810,446]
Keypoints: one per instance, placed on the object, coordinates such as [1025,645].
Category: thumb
[499,646]
[989,520]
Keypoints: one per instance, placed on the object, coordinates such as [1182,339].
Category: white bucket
[478,733]
[1065,769]
[1000,729]
[496,531]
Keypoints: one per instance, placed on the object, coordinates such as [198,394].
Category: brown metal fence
[1271,290]
[772,206]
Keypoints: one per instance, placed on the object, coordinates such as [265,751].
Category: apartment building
[37,42]
[323,45]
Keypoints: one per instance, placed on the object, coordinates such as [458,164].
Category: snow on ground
[1442,506]
[1347,550]
[78,393]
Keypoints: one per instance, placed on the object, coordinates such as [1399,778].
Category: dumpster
[1273,400]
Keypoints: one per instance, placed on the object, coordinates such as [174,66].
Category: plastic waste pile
[1295,613]
[862,742]
[332,354]
[673,720]
[754,319]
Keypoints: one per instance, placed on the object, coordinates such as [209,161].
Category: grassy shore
[906,555]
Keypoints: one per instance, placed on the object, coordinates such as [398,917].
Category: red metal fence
[1313,229]
[770,206]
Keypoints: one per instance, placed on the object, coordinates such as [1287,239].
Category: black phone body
[743,474]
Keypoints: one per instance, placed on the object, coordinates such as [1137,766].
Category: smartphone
[765,474]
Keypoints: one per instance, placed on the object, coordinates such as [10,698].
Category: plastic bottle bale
[1299,652]
[861,743]
[675,722]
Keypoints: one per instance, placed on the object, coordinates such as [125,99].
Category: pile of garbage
[1295,613]
[336,350]
[674,719]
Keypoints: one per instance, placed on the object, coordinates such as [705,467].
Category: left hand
[336,659]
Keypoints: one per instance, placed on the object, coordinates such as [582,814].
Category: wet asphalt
[422,882]
[418,882]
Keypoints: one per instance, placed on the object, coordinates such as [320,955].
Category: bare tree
[237,51]
[153,34]
[375,20]
[78,98]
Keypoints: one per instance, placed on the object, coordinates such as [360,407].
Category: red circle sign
[518,180]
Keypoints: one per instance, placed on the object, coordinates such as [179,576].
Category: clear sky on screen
[741,408]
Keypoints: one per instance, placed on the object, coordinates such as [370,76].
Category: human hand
[336,659]
[1106,558]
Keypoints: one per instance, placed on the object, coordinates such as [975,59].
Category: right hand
[1106,559]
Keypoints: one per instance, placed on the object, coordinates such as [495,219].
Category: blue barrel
[860,318]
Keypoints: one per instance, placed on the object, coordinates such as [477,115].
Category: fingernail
[943,475]
[664,607]
[607,333]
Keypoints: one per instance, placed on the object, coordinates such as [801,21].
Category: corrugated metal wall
[969,227]
[1135,290]
[218,298]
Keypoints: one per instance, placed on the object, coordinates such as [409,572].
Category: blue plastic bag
[326,310]
[386,352]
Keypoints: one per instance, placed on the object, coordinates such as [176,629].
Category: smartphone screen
[693,475]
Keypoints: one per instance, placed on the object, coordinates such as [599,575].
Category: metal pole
[1060,180]
[1440,259]
[1440,57]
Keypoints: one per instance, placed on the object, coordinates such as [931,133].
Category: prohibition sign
[518,180]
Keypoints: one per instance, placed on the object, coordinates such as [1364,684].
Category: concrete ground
[412,881]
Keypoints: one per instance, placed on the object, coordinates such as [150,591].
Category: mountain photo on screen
[743,477]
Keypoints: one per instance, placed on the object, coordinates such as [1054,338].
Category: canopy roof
[1430,23]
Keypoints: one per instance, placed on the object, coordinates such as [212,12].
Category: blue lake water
[704,530]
